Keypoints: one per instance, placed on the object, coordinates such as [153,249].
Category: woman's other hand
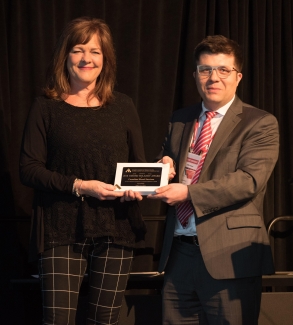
[99,190]
[131,196]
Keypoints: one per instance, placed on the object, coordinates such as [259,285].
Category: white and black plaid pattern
[61,271]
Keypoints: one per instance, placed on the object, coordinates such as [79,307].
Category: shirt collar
[222,110]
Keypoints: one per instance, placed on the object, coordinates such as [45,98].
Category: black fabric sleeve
[33,155]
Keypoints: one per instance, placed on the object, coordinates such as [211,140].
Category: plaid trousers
[61,271]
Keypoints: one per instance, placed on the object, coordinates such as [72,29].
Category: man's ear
[239,77]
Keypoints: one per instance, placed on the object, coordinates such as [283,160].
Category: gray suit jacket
[228,198]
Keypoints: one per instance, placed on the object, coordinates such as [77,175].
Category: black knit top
[62,142]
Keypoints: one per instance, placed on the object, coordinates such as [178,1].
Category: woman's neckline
[83,107]
[82,101]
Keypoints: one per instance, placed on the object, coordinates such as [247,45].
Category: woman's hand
[131,196]
[99,190]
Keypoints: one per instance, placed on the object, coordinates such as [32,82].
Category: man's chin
[212,102]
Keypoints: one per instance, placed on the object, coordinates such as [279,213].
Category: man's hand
[166,160]
[172,194]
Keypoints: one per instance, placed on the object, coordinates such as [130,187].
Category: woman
[74,136]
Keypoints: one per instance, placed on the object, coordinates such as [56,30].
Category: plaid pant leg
[109,271]
[61,272]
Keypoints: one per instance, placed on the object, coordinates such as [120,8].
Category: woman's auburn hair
[80,31]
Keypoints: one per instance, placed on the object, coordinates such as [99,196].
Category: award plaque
[144,178]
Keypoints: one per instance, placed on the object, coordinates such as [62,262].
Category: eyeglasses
[223,72]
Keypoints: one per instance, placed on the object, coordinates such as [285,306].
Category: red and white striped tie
[184,210]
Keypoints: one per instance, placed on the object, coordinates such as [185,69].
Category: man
[216,247]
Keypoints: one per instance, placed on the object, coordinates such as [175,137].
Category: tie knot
[210,114]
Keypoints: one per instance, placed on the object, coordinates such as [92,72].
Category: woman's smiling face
[85,63]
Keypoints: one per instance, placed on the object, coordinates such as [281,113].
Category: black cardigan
[62,142]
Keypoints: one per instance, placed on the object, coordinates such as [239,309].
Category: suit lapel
[229,122]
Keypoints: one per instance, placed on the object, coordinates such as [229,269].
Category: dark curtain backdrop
[154,41]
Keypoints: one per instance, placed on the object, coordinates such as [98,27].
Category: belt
[193,240]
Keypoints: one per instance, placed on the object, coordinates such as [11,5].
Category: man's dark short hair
[219,44]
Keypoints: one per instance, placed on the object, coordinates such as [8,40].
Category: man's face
[214,91]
